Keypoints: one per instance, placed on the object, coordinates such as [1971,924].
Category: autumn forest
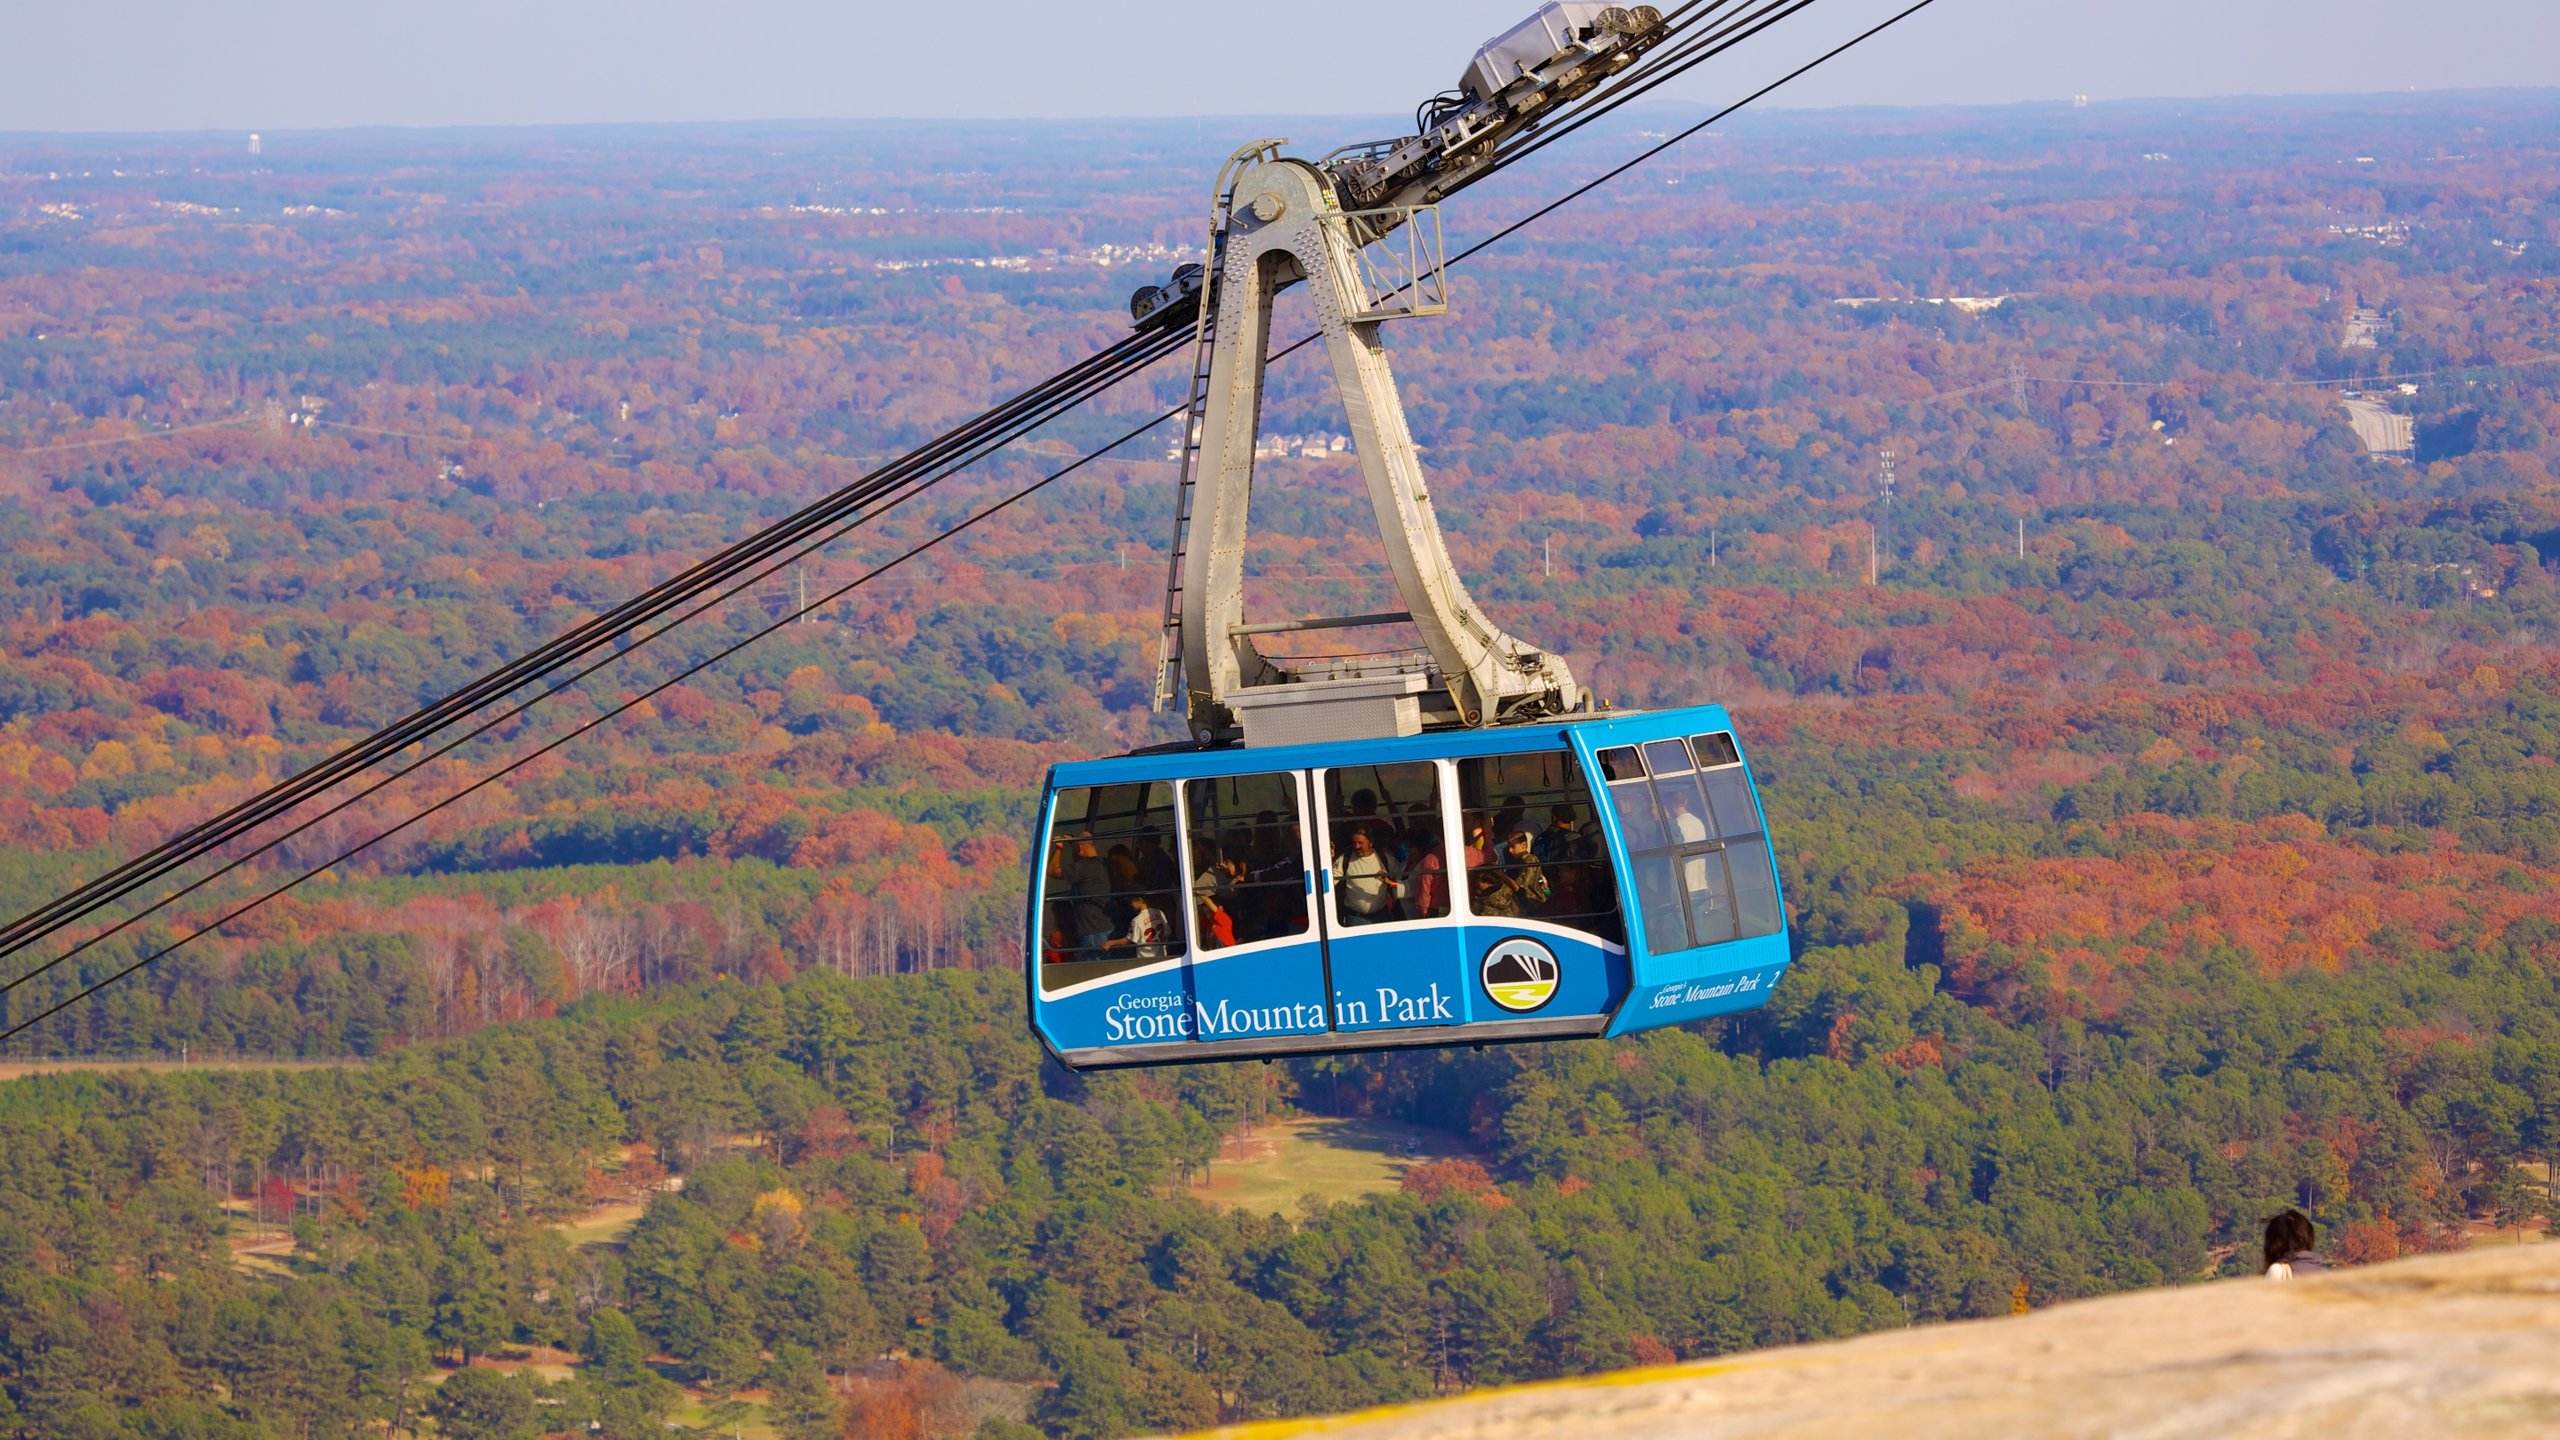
[2162,780]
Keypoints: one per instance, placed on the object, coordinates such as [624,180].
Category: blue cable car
[1454,887]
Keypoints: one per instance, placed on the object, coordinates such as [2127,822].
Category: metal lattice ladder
[1203,349]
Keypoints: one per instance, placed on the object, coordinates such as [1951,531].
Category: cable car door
[1257,966]
[1394,949]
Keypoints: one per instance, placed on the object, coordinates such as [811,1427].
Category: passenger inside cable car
[1113,884]
[1560,873]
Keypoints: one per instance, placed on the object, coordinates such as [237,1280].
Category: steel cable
[18,1027]
[515,711]
[990,430]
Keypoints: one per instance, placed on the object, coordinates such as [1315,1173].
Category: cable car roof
[1189,762]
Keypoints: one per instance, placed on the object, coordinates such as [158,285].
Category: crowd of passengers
[1388,866]
[1114,903]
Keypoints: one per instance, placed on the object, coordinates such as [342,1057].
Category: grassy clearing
[742,1419]
[605,1226]
[1279,1167]
[268,1249]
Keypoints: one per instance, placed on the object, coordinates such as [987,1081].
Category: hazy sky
[295,64]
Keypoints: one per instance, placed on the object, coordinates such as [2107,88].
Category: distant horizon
[1655,107]
[294,66]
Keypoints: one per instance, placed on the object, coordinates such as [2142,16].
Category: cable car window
[1249,879]
[1112,882]
[1755,888]
[1678,791]
[1731,811]
[1666,919]
[1714,750]
[1710,896]
[1700,865]
[1385,831]
[1639,818]
[1560,871]
[1737,818]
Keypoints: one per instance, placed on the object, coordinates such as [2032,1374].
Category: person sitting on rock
[2288,1250]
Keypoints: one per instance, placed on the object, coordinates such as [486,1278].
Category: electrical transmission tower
[2018,384]
[1884,492]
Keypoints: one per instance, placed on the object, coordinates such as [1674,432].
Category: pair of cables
[19,1025]
[791,539]
[618,632]
[1715,33]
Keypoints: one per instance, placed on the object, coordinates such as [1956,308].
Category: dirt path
[2463,1344]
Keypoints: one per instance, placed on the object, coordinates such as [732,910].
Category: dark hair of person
[2289,1233]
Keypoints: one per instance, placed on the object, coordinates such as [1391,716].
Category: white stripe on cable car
[1258,947]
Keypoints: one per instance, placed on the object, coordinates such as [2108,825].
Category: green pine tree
[804,1406]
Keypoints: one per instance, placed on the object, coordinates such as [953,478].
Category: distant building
[2389,232]
[1308,445]
[253,143]
[1970,304]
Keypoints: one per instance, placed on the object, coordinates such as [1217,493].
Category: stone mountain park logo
[1521,974]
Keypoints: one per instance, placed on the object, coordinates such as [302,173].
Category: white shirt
[1149,931]
[1692,830]
[1364,880]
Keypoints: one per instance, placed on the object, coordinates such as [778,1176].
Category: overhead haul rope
[955,449]
[1172,337]
[1641,156]
[279,806]
[492,723]
[547,747]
